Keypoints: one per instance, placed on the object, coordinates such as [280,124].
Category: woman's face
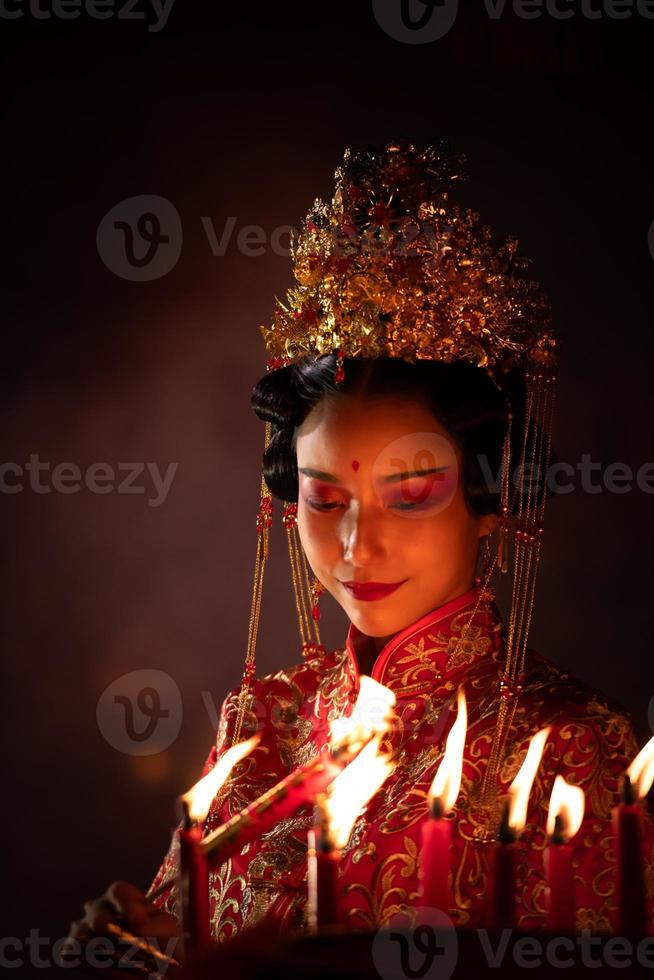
[364,516]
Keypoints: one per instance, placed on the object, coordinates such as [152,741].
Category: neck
[367,650]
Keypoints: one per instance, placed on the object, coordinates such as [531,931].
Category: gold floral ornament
[392,268]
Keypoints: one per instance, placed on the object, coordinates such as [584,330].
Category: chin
[375,622]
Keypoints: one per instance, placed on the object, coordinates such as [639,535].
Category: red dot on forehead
[355,465]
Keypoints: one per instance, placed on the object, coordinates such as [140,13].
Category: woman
[402,390]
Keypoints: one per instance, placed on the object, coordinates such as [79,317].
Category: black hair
[461,396]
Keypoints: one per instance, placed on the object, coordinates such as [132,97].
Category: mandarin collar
[435,646]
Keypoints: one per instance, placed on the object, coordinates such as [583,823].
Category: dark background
[247,115]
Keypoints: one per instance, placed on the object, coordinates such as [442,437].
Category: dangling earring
[317,590]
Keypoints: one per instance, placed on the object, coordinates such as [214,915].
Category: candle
[336,812]
[435,891]
[628,830]
[193,864]
[501,904]
[435,860]
[323,861]
[502,882]
[194,888]
[566,812]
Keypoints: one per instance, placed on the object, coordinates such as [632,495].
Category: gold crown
[392,268]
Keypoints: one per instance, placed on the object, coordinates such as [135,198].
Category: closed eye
[324,505]
[408,505]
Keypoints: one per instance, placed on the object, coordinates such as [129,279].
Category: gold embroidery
[226,892]
[386,897]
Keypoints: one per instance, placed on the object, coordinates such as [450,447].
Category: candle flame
[200,796]
[349,793]
[371,715]
[641,770]
[447,781]
[520,788]
[568,801]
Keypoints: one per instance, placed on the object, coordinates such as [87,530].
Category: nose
[363,543]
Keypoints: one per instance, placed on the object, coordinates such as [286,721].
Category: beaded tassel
[504,520]
[264,522]
[307,623]
[528,535]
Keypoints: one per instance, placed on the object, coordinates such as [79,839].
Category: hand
[124,905]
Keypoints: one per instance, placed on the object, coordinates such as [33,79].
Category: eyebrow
[393,478]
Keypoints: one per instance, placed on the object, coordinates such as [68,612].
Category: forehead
[345,424]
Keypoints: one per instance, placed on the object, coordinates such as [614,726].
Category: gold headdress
[392,268]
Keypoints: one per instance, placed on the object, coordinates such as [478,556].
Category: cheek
[439,534]
[317,535]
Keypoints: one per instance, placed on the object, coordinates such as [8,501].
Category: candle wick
[436,809]
[187,822]
[628,793]
[559,833]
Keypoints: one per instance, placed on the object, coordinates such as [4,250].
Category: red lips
[368,591]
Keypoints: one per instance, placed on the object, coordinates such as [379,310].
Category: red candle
[631,882]
[194,889]
[501,904]
[335,813]
[193,864]
[436,830]
[566,812]
[435,891]
[323,863]
[561,907]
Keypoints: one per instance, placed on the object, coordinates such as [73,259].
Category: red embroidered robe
[591,743]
